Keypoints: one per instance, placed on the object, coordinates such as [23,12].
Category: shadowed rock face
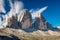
[40,22]
[24,22]
[13,22]
[49,26]
[25,19]
[9,38]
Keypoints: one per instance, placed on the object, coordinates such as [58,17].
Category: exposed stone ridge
[25,19]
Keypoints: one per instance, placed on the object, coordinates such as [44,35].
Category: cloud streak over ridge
[2,6]
[15,9]
[34,12]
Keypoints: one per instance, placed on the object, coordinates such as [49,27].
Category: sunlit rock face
[40,22]
[12,22]
[25,19]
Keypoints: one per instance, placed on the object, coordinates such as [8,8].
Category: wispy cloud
[34,12]
[42,9]
[58,27]
[15,8]
[18,6]
[2,6]
[2,9]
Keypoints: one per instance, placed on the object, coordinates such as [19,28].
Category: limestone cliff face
[12,22]
[25,19]
[40,22]
[25,22]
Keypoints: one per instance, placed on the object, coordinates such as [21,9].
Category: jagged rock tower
[12,22]
[25,19]
[40,22]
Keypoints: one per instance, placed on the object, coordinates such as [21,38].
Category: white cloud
[2,6]
[58,27]
[34,12]
[42,9]
[15,8]
[2,9]
[31,11]
[18,6]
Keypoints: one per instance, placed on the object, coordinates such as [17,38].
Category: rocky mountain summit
[40,21]
[25,19]
[25,22]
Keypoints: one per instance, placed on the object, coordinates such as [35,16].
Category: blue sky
[52,13]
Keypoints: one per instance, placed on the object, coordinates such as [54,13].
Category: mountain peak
[38,15]
[25,19]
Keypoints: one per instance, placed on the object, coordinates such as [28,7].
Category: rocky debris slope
[18,34]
